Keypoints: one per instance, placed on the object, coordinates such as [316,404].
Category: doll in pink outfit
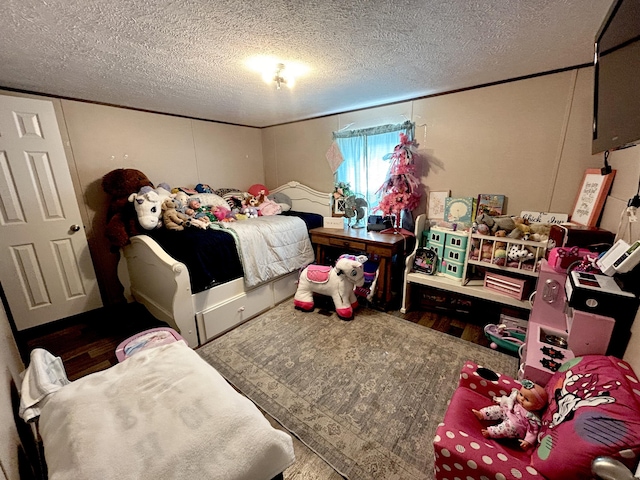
[518,413]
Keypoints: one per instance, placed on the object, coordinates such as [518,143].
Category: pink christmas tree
[401,191]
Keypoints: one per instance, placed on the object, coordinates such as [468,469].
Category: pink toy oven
[558,333]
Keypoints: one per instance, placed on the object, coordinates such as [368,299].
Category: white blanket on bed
[271,246]
[163,413]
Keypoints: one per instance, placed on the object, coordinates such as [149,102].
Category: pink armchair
[594,410]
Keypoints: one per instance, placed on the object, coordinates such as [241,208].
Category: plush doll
[221,213]
[257,200]
[522,229]
[148,205]
[337,282]
[183,198]
[121,216]
[500,257]
[172,219]
[203,188]
[202,223]
[518,413]
[269,207]
[258,188]
[539,232]
[501,222]
[519,254]
[250,212]
[200,211]
[487,248]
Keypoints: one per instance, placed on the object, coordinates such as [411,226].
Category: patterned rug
[365,395]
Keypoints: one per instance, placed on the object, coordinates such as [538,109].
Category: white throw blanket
[163,413]
[271,246]
[44,376]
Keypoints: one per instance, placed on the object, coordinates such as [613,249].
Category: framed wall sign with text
[591,197]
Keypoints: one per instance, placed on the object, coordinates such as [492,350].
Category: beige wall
[175,150]
[10,367]
[528,139]
[627,165]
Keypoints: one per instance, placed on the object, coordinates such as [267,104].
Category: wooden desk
[359,240]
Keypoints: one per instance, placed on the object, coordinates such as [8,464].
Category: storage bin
[517,288]
[437,237]
[456,240]
[439,249]
[452,269]
[454,254]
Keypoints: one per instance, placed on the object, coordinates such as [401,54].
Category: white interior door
[45,267]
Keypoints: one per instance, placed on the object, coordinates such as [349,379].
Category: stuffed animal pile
[509,228]
[136,205]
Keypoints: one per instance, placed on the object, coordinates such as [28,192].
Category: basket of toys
[509,338]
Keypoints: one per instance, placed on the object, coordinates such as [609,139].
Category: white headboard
[306,199]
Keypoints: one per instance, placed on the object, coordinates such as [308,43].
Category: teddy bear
[171,218]
[121,218]
[500,234]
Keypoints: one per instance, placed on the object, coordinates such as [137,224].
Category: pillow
[221,192]
[210,200]
[594,409]
[255,189]
[234,199]
[281,199]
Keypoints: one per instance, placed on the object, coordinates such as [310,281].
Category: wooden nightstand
[358,240]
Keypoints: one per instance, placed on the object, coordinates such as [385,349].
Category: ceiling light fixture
[279,77]
[275,70]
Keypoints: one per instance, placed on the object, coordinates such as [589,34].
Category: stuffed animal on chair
[337,282]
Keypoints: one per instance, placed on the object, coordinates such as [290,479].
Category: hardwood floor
[87,343]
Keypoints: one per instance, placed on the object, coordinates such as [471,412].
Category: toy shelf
[479,242]
[443,283]
[470,288]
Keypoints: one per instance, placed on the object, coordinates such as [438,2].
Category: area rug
[365,395]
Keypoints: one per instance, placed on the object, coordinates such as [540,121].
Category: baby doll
[199,211]
[517,413]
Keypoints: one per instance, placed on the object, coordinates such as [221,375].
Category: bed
[163,413]
[154,278]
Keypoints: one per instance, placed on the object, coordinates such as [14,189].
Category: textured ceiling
[187,57]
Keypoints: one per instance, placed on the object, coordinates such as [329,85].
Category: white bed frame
[153,278]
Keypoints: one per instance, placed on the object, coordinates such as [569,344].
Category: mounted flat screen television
[616,108]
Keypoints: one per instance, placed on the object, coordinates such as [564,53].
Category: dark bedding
[211,255]
[313,220]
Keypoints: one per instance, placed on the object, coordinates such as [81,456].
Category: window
[364,167]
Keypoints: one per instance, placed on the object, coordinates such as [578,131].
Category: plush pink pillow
[257,188]
[594,409]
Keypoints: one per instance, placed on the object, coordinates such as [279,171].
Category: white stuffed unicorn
[148,205]
[337,282]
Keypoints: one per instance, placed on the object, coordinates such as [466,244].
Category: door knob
[75,228]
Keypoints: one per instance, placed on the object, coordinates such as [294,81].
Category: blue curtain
[364,166]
